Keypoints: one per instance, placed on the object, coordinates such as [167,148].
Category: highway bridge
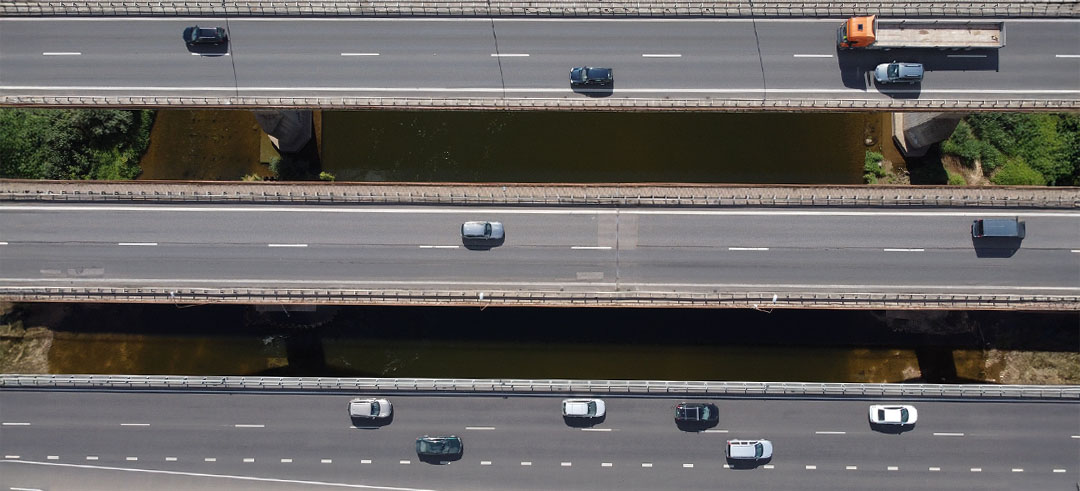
[72,437]
[504,63]
[741,256]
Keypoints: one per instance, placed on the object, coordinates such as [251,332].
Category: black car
[439,446]
[205,35]
[696,412]
[587,75]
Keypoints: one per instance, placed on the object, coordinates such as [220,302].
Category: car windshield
[374,408]
[894,71]
[903,414]
[705,412]
[759,450]
[592,408]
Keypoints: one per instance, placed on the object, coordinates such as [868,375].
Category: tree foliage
[73,144]
[1046,143]
[1016,172]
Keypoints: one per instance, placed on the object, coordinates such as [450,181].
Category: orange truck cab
[856,32]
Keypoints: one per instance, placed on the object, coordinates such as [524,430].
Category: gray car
[482,231]
[895,72]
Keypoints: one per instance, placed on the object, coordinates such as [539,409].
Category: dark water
[811,148]
[690,344]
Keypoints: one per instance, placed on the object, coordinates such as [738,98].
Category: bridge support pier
[914,133]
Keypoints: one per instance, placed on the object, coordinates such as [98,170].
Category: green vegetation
[1028,148]
[73,144]
[956,179]
[873,169]
[326,176]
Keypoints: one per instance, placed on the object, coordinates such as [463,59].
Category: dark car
[439,446]
[587,75]
[696,412]
[205,35]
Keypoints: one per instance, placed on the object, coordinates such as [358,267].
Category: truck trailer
[871,33]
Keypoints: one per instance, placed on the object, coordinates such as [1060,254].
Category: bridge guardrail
[538,104]
[525,194]
[544,386]
[548,8]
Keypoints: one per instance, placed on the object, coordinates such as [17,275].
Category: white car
[893,415]
[749,449]
[583,408]
[370,408]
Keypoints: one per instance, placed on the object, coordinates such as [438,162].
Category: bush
[872,167]
[1016,172]
[251,177]
[957,179]
[73,144]
[326,176]
[1047,143]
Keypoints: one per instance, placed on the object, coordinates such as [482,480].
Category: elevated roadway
[60,440]
[581,252]
[522,62]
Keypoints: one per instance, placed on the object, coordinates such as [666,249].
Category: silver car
[482,231]
[370,408]
[891,73]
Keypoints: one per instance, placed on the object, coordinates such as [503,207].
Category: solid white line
[965,56]
[286,461]
[661,55]
[747,248]
[359,54]
[688,466]
[134,424]
[14,424]
[509,55]
[596,429]
[224,476]
[830,432]
[526,463]
[326,461]
[209,54]
[566,464]
[1059,471]
[935,469]
[131,458]
[249,426]
[646,464]
[948,434]
[439,247]
[591,248]
[485,462]
[903,250]
[479,427]
[286,245]
[812,56]
[893,468]
[1066,56]
[1074,436]
[487,20]
[137,243]
[976,469]
[173,459]
[811,467]
[852,467]
[61,53]
[605,464]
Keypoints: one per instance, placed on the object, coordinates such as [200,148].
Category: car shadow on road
[695,426]
[583,422]
[891,429]
[481,244]
[441,459]
[996,246]
[371,424]
[741,464]
[594,91]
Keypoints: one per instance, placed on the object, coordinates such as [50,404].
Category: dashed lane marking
[688,466]
[286,245]
[591,248]
[903,250]
[1066,56]
[893,468]
[326,461]
[596,429]
[716,431]
[935,469]
[249,459]
[479,427]
[404,462]
[11,456]
[134,424]
[145,244]
[210,459]
[439,247]
[830,432]
[365,461]
[948,434]
[605,464]
[769,466]
[485,462]
[1059,471]
[852,468]
[61,53]
[661,55]
[52,457]
[526,463]
[976,469]
[646,464]
[14,424]
[91,457]
[131,458]
[811,467]
[566,464]
[173,459]
[248,426]
[1018,470]
[509,55]
[286,461]
[359,54]
[13,488]
[747,248]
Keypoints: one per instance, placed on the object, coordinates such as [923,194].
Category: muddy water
[203,145]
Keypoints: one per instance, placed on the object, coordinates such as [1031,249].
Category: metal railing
[544,386]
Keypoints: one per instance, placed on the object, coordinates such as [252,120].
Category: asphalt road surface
[98,440]
[546,249]
[515,58]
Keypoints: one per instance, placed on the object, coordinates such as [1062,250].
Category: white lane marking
[935,469]
[223,476]
[903,250]
[286,461]
[1075,250]
[365,461]
[439,247]
[566,464]
[661,55]
[769,466]
[52,457]
[131,458]
[404,462]
[646,464]
[1058,471]
[893,468]
[830,432]
[173,459]
[147,244]
[527,90]
[3,243]
[249,459]
[535,211]
[716,431]
[948,434]
[509,55]
[286,245]
[14,424]
[591,248]
[811,467]
[1066,56]
[1074,436]
[596,429]
[688,466]
[1017,470]
[965,56]
[91,457]
[976,469]
[210,459]
[359,54]
[485,462]
[605,464]
[811,56]
[248,426]
[479,427]
[747,248]
[526,463]
[326,461]
[13,488]
[851,467]
[11,456]
[61,53]
[134,424]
